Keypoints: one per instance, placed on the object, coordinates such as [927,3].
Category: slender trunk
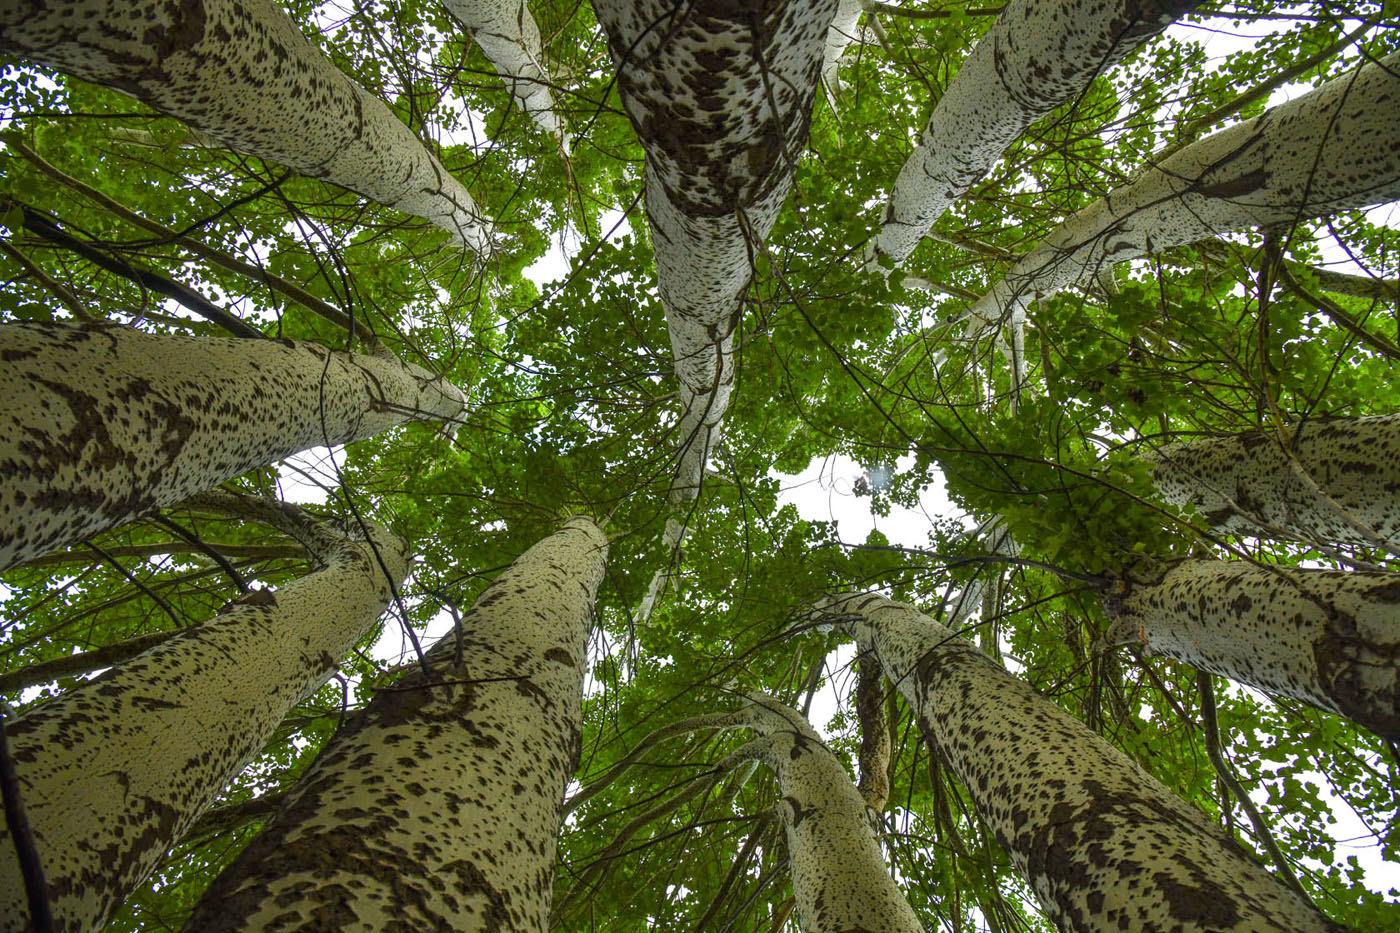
[117,770]
[1330,638]
[1335,148]
[721,96]
[437,806]
[839,877]
[1037,56]
[105,423]
[841,33]
[507,33]
[162,549]
[875,742]
[1337,481]
[242,72]
[1104,846]
[72,665]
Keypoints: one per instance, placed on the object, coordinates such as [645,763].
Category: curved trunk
[721,97]
[507,33]
[1038,55]
[115,771]
[1338,482]
[1329,638]
[437,806]
[841,33]
[839,876]
[243,73]
[105,423]
[1104,846]
[1335,148]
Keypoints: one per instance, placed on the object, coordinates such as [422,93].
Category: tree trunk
[1037,56]
[1104,846]
[1335,148]
[1338,482]
[507,33]
[242,72]
[105,423]
[1329,638]
[841,33]
[437,806]
[839,877]
[721,96]
[114,772]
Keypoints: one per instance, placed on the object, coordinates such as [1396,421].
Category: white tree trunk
[104,423]
[116,770]
[1038,55]
[839,877]
[1335,148]
[721,97]
[842,32]
[437,806]
[242,72]
[1104,846]
[507,33]
[1338,481]
[1329,638]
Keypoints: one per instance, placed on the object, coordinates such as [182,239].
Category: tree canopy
[113,212]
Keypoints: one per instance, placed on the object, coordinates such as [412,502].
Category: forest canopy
[1034,454]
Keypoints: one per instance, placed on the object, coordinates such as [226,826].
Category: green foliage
[571,409]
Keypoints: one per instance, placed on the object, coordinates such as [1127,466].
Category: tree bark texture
[116,770]
[1104,846]
[242,72]
[104,423]
[1335,148]
[720,94]
[437,806]
[1330,638]
[839,876]
[1335,481]
[842,32]
[1039,55]
[509,36]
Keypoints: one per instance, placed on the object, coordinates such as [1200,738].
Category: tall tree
[107,423]
[115,771]
[216,63]
[437,806]
[1104,846]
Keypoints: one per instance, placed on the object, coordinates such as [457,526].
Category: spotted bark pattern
[507,33]
[843,31]
[1104,846]
[437,806]
[1338,482]
[875,745]
[242,72]
[1335,148]
[115,771]
[1039,55]
[839,877]
[104,423]
[1330,638]
[720,93]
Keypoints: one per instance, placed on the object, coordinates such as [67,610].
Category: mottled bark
[1336,481]
[720,94]
[1104,846]
[841,33]
[875,743]
[507,33]
[437,806]
[118,769]
[1039,55]
[1335,148]
[72,665]
[839,877]
[242,72]
[1330,638]
[105,423]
